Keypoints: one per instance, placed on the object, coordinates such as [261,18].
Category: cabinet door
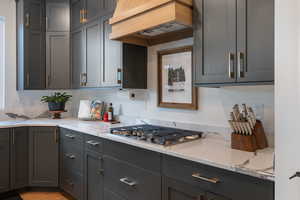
[94,9]
[57,16]
[93,174]
[34,45]
[4,158]
[19,158]
[210,196]
[77,58]
[43,157]
[214,41]
[76,7]
[112,57]
[255,40]
[175,190]
[57,60]
[93,52]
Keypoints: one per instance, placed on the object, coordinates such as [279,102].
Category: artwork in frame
[175,85]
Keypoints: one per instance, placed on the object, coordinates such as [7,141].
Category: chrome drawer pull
[70,136]
[70,156]
[128,182]
[211,180]
[93,143]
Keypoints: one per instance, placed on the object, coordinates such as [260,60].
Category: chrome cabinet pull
[211,180]
[93,143]
[70,156]
[70,136]
[83,79]
[230,66]
[128,182]
[119,76]
[241,65]
[56,135]
[27,22]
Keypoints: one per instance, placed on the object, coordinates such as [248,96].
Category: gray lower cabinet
[43,156]
[93,175]
[71,163]
[5,160]
[176,190]
[19,157]
[233,42]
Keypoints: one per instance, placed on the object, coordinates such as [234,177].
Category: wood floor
[42,196]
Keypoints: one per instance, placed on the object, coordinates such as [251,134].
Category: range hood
[150,22]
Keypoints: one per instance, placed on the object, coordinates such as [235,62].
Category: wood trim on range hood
[150,22]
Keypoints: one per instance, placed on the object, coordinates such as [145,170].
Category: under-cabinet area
[88,167]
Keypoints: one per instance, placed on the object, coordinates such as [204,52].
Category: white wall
[287,42]
[214,103]
[20,102]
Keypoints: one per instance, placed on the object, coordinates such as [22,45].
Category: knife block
[250,143]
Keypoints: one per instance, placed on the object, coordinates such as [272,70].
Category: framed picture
[175,87]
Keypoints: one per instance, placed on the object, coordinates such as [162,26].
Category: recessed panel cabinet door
[255,41]
[112,57]
[76,7]
[77,59]
[176,190]
[57,16]
[34,45]
[93,52]
[93,174]
[215,41]
[19,157]
[4,160]
[43,157]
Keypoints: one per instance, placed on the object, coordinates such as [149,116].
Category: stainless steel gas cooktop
[156,134]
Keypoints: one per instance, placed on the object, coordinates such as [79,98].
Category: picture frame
[175,79]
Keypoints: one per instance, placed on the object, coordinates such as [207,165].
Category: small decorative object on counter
[97,108]
[56,103]
[248,132]
[110,112]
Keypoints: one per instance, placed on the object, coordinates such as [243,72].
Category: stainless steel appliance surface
[156,134]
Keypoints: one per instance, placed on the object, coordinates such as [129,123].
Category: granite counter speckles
[212,149]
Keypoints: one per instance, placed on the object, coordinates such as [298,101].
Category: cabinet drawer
[72,158]
[219,181]
[93,144]
[72,184]
[71,137]
[139,157]
[108,195]
[131,182]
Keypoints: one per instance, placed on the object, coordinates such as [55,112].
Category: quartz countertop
[211,150]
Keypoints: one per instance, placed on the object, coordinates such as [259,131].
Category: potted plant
[57,101]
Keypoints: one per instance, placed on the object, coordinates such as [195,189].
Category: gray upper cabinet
[4,158]
[43,156]
[19,157]
[233,42]
[219,41]
[94,9]
[93,34]
[77,59]
[58,60]
[76,13]
[57,44]
[255,41]
[31,44]
[57,16]
[112,57]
